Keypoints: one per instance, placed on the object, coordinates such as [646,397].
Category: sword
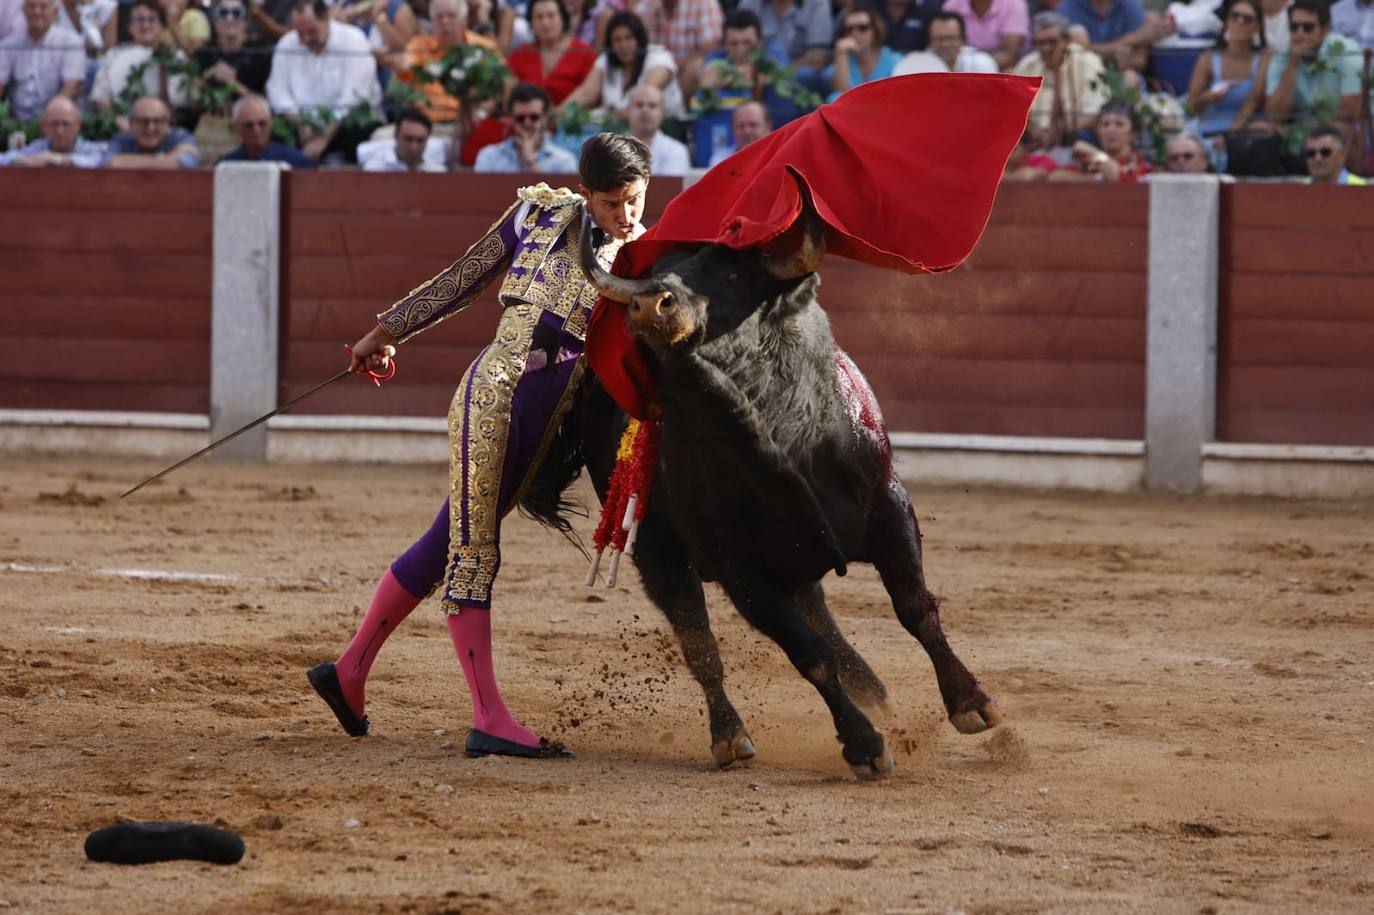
[376,379]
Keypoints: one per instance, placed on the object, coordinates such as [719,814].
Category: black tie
[598,238]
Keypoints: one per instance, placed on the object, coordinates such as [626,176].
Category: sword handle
[389,352]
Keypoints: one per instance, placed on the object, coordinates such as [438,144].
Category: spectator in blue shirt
[860,56]
[60,145]
[1118,30]
[151,141]
[253,127]
[802,28]
[528,148]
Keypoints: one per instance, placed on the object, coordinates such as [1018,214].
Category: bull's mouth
[676,335]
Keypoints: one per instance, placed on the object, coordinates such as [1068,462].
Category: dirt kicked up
[1188,687]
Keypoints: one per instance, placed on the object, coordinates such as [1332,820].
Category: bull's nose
[653,305]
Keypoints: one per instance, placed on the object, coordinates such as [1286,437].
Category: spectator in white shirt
[646,114]
[324,64]
[407,150]
[948,53]
[118,65]
[40,61]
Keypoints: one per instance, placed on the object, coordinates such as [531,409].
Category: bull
[774,469]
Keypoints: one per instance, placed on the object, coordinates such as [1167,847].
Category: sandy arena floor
[1188,685]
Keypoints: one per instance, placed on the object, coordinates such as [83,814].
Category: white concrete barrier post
[1181,348]
[244,307]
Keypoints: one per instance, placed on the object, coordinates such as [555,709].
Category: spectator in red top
[556,61]
[1025,164]
[1117,160]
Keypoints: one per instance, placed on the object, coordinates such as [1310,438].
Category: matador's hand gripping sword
[376,379]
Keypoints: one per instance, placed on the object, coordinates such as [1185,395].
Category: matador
[504,413]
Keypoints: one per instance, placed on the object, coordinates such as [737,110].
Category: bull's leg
[675,589]
[894,542]
[858,678]
[775,613]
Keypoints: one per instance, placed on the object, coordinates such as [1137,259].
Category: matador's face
[617,212]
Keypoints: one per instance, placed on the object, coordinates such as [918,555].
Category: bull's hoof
[729,752]
[875,769]
[977,720]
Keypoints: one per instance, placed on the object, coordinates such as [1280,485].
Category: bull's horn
[811,252]
[615,288]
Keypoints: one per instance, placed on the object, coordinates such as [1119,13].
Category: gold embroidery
[482,409]
[451,290]
[536,249]
[548,197]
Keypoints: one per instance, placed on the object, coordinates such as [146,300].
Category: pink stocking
[471,634]
[390,605]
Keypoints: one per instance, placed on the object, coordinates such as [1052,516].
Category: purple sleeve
[455,288]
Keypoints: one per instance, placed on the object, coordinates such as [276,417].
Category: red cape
[903,172]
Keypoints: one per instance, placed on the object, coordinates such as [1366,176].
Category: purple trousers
[462,544]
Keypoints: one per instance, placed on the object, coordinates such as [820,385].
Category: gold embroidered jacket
[535,242]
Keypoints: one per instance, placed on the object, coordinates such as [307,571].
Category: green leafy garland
[1153,119]
[10,124]
[783,80]
[470,74]
[573,120]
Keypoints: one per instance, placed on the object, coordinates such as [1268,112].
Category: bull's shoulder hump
[548,197]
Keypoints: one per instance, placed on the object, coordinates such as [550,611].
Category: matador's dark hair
[611,160]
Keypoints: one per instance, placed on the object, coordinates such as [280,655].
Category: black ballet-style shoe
[146,843]
[325,679]
[480,743]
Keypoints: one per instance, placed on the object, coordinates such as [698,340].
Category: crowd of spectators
[1275,88]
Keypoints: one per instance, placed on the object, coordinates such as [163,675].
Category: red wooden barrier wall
[105,291]
[1040,332]
[105,280]
[1296,322]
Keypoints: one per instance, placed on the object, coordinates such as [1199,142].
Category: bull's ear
[799,297]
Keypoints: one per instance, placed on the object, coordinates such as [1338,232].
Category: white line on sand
[147,574]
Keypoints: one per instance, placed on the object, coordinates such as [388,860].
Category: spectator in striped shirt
[690,29]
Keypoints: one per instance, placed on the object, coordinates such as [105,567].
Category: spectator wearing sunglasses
[1224,78]
[253,126]
[1186,155]
[228,60]
[527,149]
[1318,70]
[1325,153]
[152,141]
[860,56]
[146,23]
